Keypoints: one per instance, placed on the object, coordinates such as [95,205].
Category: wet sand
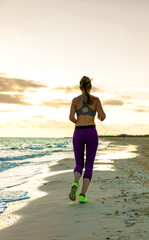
[118,206]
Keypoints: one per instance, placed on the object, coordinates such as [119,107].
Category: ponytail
[85,83]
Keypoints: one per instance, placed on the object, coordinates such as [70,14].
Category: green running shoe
[74,190]
[82,198]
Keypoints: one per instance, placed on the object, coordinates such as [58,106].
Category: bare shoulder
[94,98]
[76,99]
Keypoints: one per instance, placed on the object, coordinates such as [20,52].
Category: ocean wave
[34,148]
[56,145]
[60,145]
[13,148]
[11,196]
[23,157]
[2,206]
[57,150]
[22,148]
[60,150]
[4,165]
[49,146]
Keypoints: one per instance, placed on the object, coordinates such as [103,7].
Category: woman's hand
[101,118]
[74,120]
[101,113]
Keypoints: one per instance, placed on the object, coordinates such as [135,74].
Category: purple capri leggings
[81,137]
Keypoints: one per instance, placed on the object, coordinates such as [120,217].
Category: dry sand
[118,206]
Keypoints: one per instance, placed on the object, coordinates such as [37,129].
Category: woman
[85,106]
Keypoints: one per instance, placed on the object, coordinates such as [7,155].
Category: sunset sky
[46,46]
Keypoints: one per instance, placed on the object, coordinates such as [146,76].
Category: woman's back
[85,118]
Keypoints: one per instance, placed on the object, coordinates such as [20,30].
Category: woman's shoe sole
[72,194]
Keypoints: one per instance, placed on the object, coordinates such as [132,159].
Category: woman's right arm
[99,109]
[72,112]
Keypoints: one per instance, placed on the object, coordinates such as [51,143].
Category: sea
[24,158]
[25,163]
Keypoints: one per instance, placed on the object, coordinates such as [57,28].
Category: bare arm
[101,113]
[72,112]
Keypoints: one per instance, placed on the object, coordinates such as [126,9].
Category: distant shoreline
[104,136]
[124,135]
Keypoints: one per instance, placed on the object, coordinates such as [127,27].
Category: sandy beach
[118,206]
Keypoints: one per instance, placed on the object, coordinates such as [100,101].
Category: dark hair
[85,83]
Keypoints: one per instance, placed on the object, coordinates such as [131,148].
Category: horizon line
[119,135]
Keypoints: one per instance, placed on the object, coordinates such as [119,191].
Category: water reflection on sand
[105,158]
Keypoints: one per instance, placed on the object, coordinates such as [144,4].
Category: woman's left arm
[72,112]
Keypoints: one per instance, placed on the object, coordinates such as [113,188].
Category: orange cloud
[141,110]
[112,102]
[3,74]
[13,99]
[19,85]
[74,88]
[63,103]
[38,116]
[68,89]
[9,111]
[57,103]
[48,124]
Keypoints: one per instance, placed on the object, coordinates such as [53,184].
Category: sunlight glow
[105,160]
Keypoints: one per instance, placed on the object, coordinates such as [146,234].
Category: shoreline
[8,217]
[54,216]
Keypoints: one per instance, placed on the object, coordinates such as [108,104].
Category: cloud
[55,124]
[68,89]
[3,74]
[9,111]
[122,95]
[112,102]
[13,99]
[74,88]
[57,103]
[140,125]
[95,89]
[17,85]
[141,110]
[64,103]
[44,124]
[38,116]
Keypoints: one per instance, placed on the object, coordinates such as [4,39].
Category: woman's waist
[85,126]
[83,121]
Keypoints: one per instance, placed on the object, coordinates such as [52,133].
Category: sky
[46,46]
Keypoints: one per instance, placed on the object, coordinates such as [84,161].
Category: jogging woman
[85,106]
